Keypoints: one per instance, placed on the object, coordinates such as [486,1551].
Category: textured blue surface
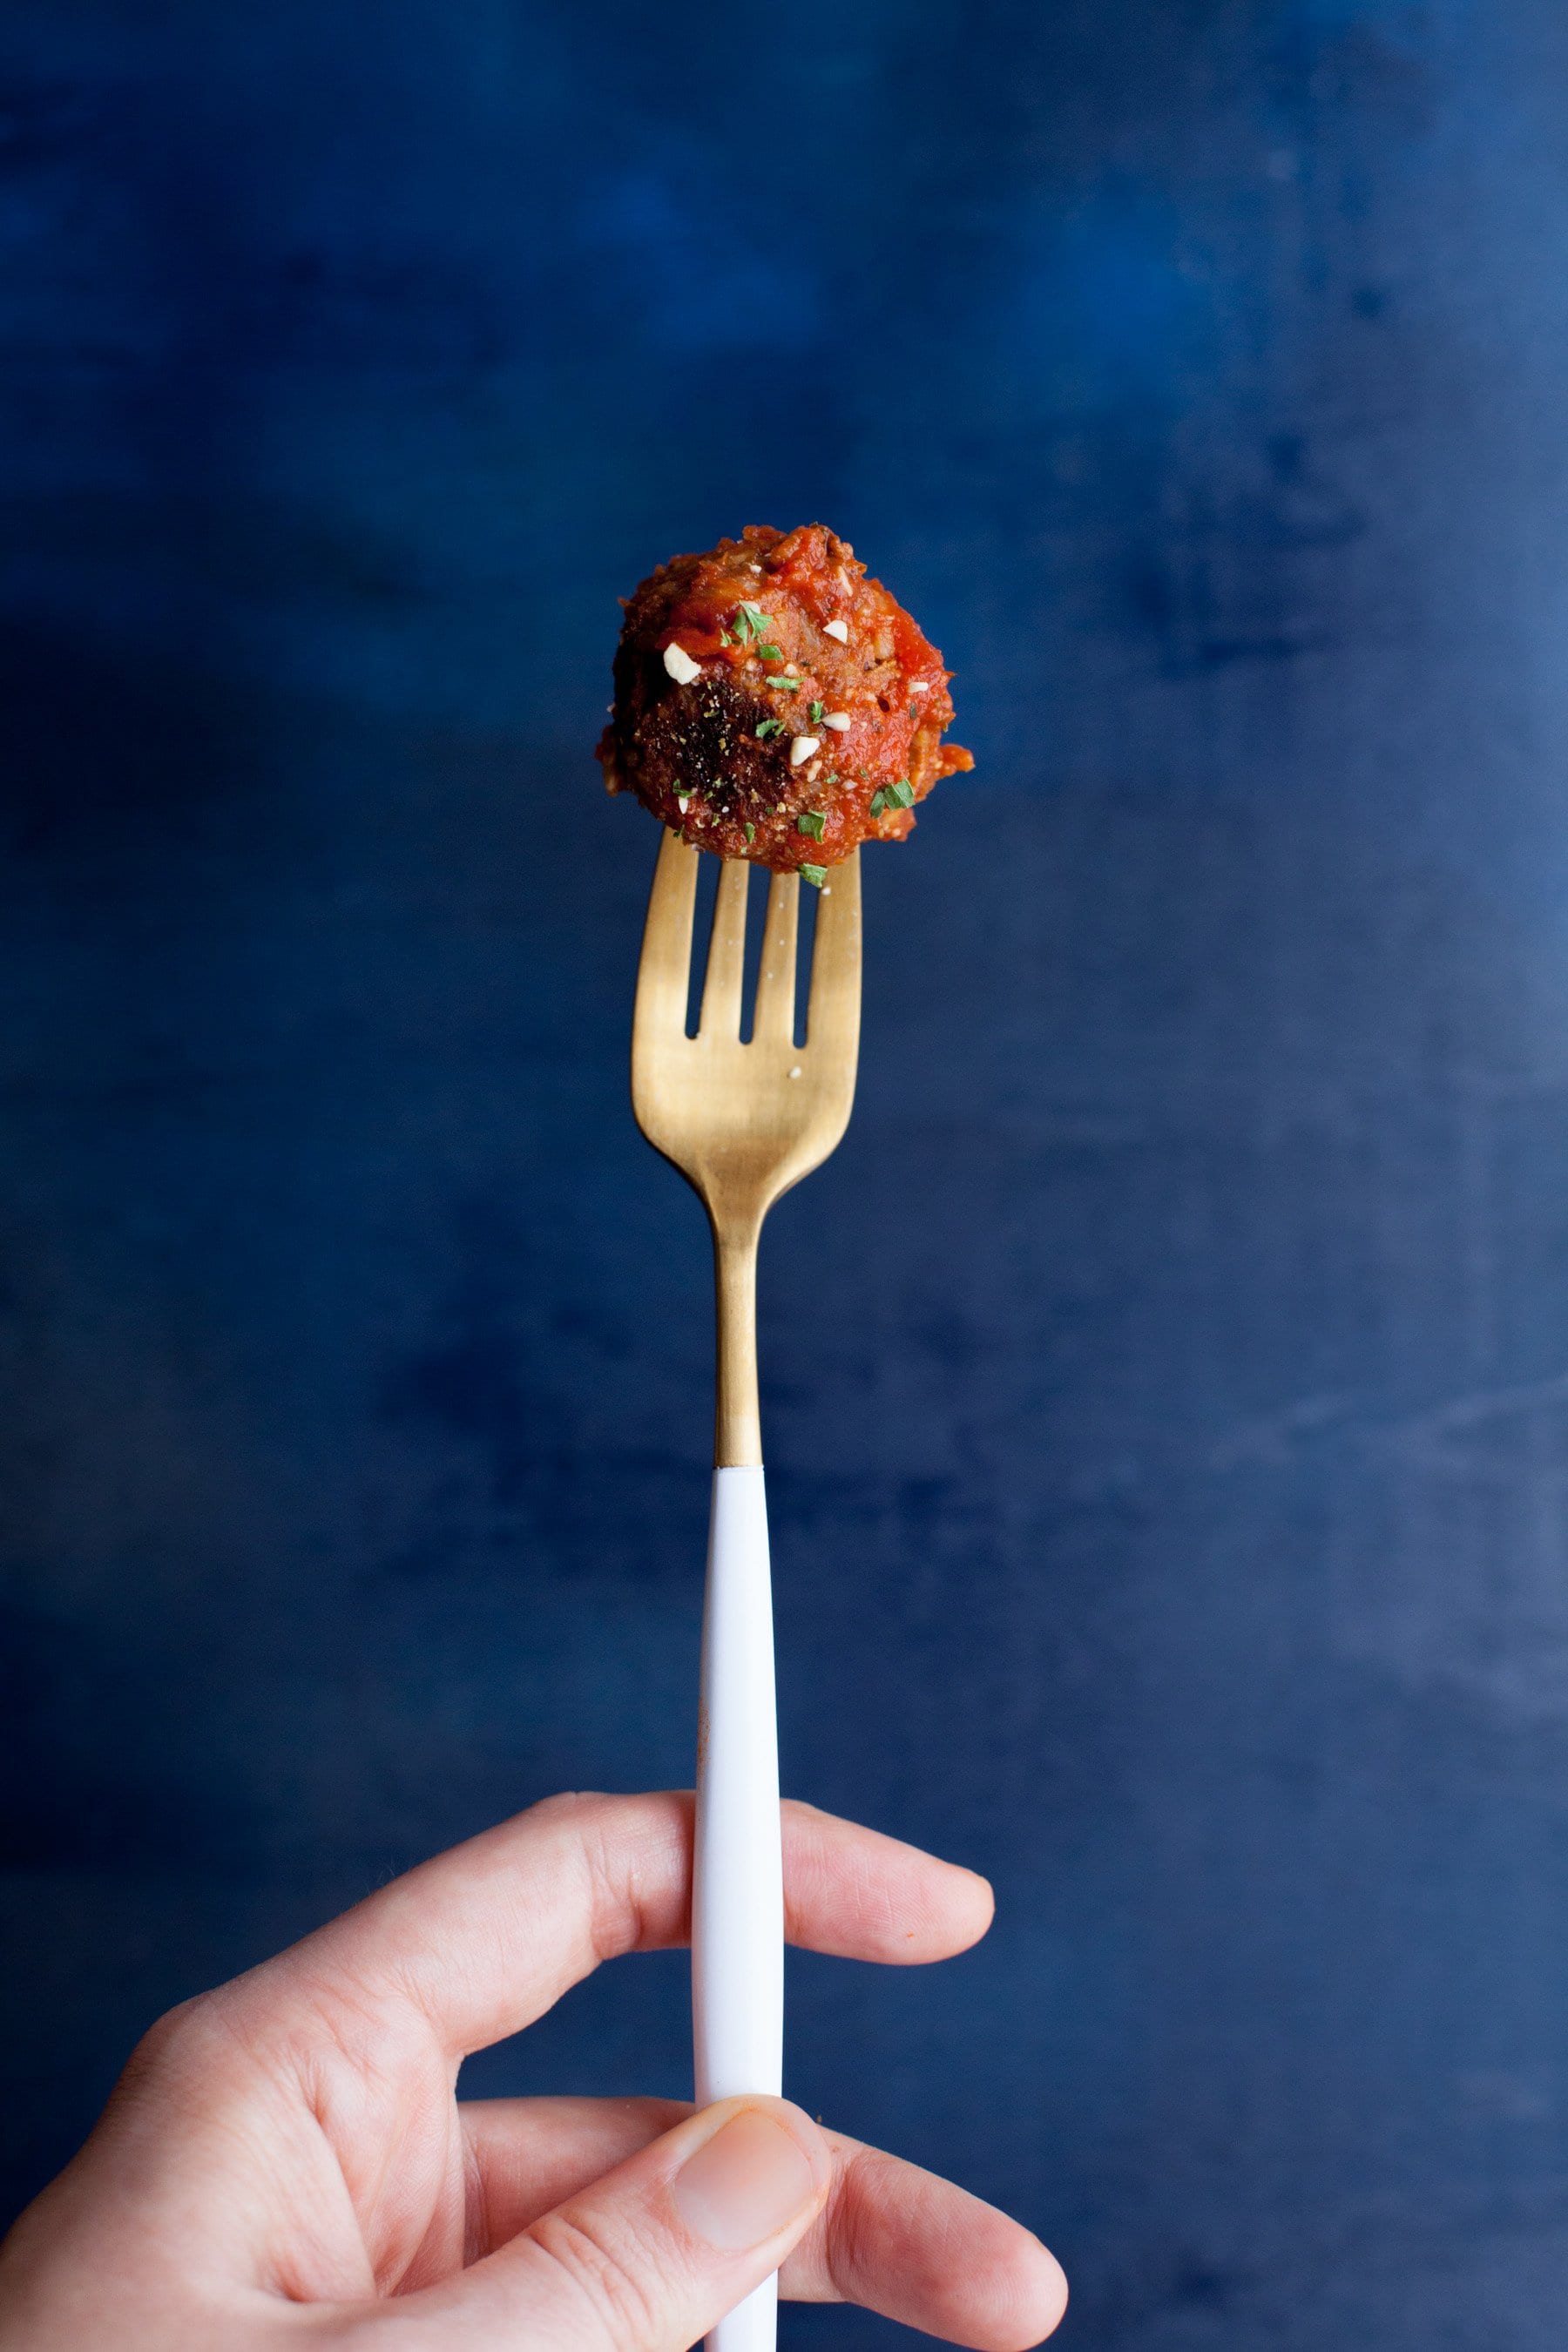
[1166,1385]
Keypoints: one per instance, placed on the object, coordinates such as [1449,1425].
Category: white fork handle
[737,1896]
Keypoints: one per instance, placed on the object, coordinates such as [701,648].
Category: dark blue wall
[1167,1383]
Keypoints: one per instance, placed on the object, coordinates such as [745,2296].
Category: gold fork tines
[745,1122]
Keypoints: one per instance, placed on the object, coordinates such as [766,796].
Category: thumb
[650,2256]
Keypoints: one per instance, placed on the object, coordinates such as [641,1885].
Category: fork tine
[774,1018]
[663,973]
[833,1014]
[720,1014]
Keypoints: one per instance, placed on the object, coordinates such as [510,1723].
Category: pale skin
[285,2160]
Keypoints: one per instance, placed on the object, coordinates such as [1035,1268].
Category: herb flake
[750,623]
[812,823]
[767,726]
[816,875]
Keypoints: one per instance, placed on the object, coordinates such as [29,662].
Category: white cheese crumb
[795,1072]
[680,665]
[839,721]
[683,802]
[801,750]
[839,629]
[920,686]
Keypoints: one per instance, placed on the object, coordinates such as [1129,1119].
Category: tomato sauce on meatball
[774,703]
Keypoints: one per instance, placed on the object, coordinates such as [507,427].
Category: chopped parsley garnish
[902,793]
[770,727]
[751,628]
[816,875]
[914,709]
[812,823]
[816,711]
[750,834]
[879,800]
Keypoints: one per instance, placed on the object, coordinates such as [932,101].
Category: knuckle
[566,1803]
[856,2219]
[170,2039]
[175,2063]
[627,1851]
[613,2290]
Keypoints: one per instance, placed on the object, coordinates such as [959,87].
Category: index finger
[484,1939]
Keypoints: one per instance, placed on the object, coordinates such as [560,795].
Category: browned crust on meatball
[710,757]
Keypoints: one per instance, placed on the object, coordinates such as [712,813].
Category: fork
[742,1122]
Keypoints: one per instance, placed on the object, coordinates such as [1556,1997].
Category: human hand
[284,2160]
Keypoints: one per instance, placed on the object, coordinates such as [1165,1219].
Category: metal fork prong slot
[664,973]
[833,1012]
[774,1021]
[720,1014]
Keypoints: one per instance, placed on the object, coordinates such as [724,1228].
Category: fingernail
[745,2184]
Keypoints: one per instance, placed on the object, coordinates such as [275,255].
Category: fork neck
[738,1430]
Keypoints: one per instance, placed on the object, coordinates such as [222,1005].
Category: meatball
[773,703]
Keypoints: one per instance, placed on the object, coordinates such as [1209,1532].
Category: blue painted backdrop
[1167,1382]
